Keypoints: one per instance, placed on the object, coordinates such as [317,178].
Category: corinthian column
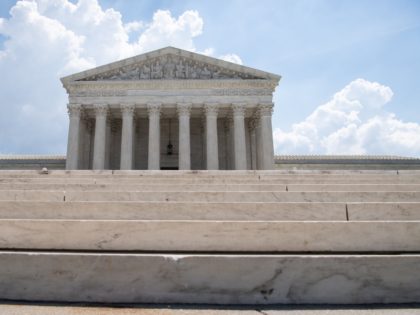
[253,143]
[239,135]
[212,151]
[154,136]
[127,137]
[72,159]
[184,136]
[101,111]
[267,149]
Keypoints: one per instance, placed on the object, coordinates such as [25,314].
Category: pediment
[170,64]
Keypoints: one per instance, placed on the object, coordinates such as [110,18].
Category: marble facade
[170,109]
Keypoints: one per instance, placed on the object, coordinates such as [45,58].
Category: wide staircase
[222,237]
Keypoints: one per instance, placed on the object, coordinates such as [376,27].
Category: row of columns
[262,136]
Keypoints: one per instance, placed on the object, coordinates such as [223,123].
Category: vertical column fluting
[108,143]
[101,112]
[88,147]
[72,159]
[253,143]
[229,154]
[126,162]
[154,136]
[267,159]
[259,141]
[82,140]
[203,142]
[239,143]
[212,150]
[184,111]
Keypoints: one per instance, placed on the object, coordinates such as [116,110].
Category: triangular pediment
[170,64]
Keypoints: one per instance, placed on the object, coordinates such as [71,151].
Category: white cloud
[232,58]
[173,32]
[354,121]
[47,39]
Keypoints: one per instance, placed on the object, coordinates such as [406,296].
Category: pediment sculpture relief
[170,67]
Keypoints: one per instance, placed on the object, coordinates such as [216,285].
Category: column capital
[211,109]
[265,109]
[183,109]
[100,109]
[154,108]
[238,109]
[127,109]
[74,110]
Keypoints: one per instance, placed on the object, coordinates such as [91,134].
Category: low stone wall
[32,162]
[331,162]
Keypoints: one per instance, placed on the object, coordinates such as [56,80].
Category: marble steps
[215,179]
[235,211]
[359,187]
[85,243]
[196,173]
[201,172]
[211,196]
[205,175]
[210,187]
[413,180]
[209,278]
[10,182]
[211,236]
[162,187]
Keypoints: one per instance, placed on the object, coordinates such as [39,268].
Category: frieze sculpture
[170,67]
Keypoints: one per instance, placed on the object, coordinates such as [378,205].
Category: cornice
[169,85]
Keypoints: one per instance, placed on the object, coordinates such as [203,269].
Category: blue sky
[349,68]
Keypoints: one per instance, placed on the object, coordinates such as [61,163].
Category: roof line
[163,51]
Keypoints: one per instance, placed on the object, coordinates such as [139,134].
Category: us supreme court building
[170,109]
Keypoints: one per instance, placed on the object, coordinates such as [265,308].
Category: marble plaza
[170,109]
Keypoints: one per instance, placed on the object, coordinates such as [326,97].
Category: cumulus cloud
[232,58]
[47,39]
[354,121]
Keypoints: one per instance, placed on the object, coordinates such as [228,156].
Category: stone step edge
[209,279]
[240,211]
[203,191]
[284,187]
[198,172]
[203,196]
[210,236]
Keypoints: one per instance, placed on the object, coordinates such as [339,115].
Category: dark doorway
[169,168]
